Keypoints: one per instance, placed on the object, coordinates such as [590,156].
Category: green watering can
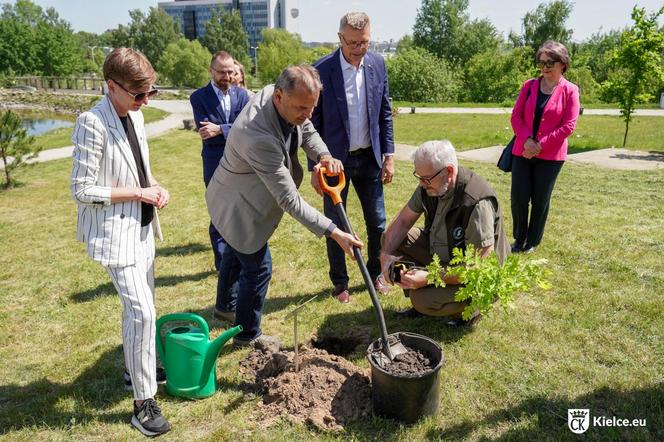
[188,355]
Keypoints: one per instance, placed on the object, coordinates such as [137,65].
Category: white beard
[441,191]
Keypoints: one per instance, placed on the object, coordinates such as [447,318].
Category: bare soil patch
[327,392]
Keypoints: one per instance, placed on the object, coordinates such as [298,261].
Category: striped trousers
[135,285]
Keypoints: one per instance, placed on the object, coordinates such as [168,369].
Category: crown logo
[579,413]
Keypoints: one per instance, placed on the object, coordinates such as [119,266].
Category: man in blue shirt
[354,118]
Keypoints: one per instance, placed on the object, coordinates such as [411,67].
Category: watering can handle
[334,192]
[190,317]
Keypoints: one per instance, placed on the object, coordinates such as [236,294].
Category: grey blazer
[102,159]
[253,185]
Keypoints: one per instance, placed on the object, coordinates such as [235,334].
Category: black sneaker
[161,378]
[148,419]
[409,313]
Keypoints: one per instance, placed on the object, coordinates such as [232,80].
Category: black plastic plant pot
[401,397]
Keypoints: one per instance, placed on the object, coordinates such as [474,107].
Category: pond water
[38,126]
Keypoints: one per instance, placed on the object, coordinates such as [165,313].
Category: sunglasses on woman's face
[140,96]
[546,63]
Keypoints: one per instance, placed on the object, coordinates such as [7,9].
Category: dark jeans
[533,181]
[254,277]
[364,173]
[226,298]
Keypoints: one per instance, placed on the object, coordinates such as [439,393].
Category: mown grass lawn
[593,341]
[509,104]
[470,131]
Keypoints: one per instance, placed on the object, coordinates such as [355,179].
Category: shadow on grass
[550,417]
[187,249]
[653,155]
[43,403]
[107,288]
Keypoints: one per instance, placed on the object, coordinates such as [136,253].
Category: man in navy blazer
[215,108]
[354,118]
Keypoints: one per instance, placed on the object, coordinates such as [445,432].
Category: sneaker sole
[139,427]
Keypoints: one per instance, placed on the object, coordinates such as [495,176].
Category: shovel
[391,345]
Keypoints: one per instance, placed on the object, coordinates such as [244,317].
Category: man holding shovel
[459,208]
[257,181]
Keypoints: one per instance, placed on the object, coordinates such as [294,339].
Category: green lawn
[597,105]
[62,137]
[470,131]
[593,341]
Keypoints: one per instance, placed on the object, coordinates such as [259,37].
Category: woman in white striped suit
[116,196]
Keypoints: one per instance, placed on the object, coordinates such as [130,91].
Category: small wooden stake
[294,313]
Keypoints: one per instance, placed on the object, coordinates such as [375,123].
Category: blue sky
[318,19]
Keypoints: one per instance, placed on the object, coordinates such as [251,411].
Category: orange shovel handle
[334,192]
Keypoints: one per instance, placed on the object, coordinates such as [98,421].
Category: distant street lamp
[255,48]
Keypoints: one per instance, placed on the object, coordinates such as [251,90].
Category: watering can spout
[215,347]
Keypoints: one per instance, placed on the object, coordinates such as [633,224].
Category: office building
[256,15]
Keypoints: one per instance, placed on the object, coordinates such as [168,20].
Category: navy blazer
[207,107]
[330,117]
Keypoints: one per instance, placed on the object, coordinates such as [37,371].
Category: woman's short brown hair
[129,68]
[557,51]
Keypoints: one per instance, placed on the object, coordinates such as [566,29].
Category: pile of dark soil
[410,364]
[328,391]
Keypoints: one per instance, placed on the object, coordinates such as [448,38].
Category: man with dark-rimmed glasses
[459,208]
[215,107]
[354,118]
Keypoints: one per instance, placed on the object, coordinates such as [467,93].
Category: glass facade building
[256,15]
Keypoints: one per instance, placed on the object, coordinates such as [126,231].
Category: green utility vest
[469,189]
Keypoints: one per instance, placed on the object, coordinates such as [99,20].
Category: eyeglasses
[546,63]
[227,72]
[140,96]
[355,44]
[427,180]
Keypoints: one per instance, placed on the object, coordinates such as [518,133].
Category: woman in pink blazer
[544,115]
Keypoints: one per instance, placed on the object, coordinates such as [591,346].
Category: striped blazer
[103,159]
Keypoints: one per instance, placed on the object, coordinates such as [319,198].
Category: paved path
[622,159]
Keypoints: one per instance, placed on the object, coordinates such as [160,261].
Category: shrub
[417,75]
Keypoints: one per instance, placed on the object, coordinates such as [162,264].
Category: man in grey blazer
[116,195]
[257,181]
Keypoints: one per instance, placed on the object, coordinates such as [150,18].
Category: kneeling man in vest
[459,208]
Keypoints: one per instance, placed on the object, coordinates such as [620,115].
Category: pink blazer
[558,119]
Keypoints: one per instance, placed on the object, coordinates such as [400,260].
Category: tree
[278,50]
[224,31]
[150,33]
[502,82]
[316,53]
[547,22]
[417,75]
[444,28]
[596,52]
[16,147]
[406,42]
[34,41]
[637,59]
[185,63]
[57,49]
[18,51]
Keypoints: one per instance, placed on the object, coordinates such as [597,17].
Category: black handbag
[505,160]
